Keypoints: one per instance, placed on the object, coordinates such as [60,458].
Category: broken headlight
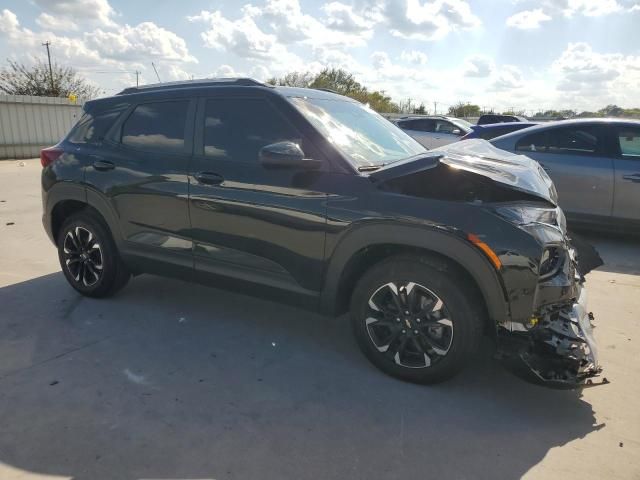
[528,214]
[551,261]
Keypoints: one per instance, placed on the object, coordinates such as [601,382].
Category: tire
[440,334]
[88,256]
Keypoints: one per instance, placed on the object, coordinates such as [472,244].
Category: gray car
[594,164]
[434,131]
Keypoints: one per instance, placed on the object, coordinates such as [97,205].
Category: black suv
[489,118]
[311,198]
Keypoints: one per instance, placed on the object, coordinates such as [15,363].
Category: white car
[434,131]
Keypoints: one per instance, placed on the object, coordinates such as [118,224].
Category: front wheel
[89,257]
[416,319]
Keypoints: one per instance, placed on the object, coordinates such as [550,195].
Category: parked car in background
[434,131]
[311,198]
[594,164]
[488,118]
[493,130]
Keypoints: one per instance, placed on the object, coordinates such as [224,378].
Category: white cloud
[51,22]
[507,77]
[589,8]
[478,67]
[414,56]
[342,17]
[528,19]
[430,20]
[143,42]
[80,11]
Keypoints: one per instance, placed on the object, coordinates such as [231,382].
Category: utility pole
[46,44]
[155,70]
[435,108]
[137,73]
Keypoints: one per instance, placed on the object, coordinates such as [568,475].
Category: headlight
[551,261]
[527,214]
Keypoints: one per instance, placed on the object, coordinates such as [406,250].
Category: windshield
[363,136]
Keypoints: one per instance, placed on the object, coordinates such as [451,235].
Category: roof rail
[322,89]
[206,82]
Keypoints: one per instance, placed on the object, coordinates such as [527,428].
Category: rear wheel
[88,256]
[416,319]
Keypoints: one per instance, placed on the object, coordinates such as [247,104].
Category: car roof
[196,87]
[560,123]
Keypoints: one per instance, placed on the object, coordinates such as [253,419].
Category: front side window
[629,141]
[445,127]
[157,127]
[361,135]
[93,126]
[236,129]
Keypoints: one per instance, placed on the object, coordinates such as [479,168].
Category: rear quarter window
[94,125]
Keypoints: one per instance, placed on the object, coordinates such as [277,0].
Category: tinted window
[578,140]
[629,140]
[536,142]
[419,124]
[236,129]
[445,127]
[157,127]
[573,140]
[93,126]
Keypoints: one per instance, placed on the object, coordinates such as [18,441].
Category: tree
[293,79]
[20,79]
[464,110]
[342,82]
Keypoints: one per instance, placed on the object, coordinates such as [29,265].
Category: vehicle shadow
[171,380]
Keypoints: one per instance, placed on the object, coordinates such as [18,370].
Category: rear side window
[93,126]
[629,140]
[578,140]
[157,127]
[237,128]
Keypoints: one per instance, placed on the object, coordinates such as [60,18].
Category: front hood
[482,158]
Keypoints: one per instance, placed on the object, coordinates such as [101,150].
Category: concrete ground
[170,380]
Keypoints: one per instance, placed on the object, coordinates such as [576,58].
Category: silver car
[434,131]
[594,164]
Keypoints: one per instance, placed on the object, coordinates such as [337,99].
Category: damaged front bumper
[562,352]
[556,347]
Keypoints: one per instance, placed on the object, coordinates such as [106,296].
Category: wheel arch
[364,247]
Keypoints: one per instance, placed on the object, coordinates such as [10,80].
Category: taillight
[49,155]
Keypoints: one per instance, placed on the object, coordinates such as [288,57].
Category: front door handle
[209,178]
[632,177]
[103,165]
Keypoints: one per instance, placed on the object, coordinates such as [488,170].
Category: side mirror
[286,155]
[456,131]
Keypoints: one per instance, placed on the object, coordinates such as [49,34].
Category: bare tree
[20,79]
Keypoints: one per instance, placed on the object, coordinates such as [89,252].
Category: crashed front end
[555,346]
[548,337]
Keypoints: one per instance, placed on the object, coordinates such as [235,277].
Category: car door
[577,160]
[421,129]
[250,222]
[140,176]
[626,201]
[444,133]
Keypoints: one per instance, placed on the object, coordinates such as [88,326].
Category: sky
[522,54]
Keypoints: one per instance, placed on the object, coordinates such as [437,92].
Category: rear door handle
[633,177]
[103,165]
[209,178]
